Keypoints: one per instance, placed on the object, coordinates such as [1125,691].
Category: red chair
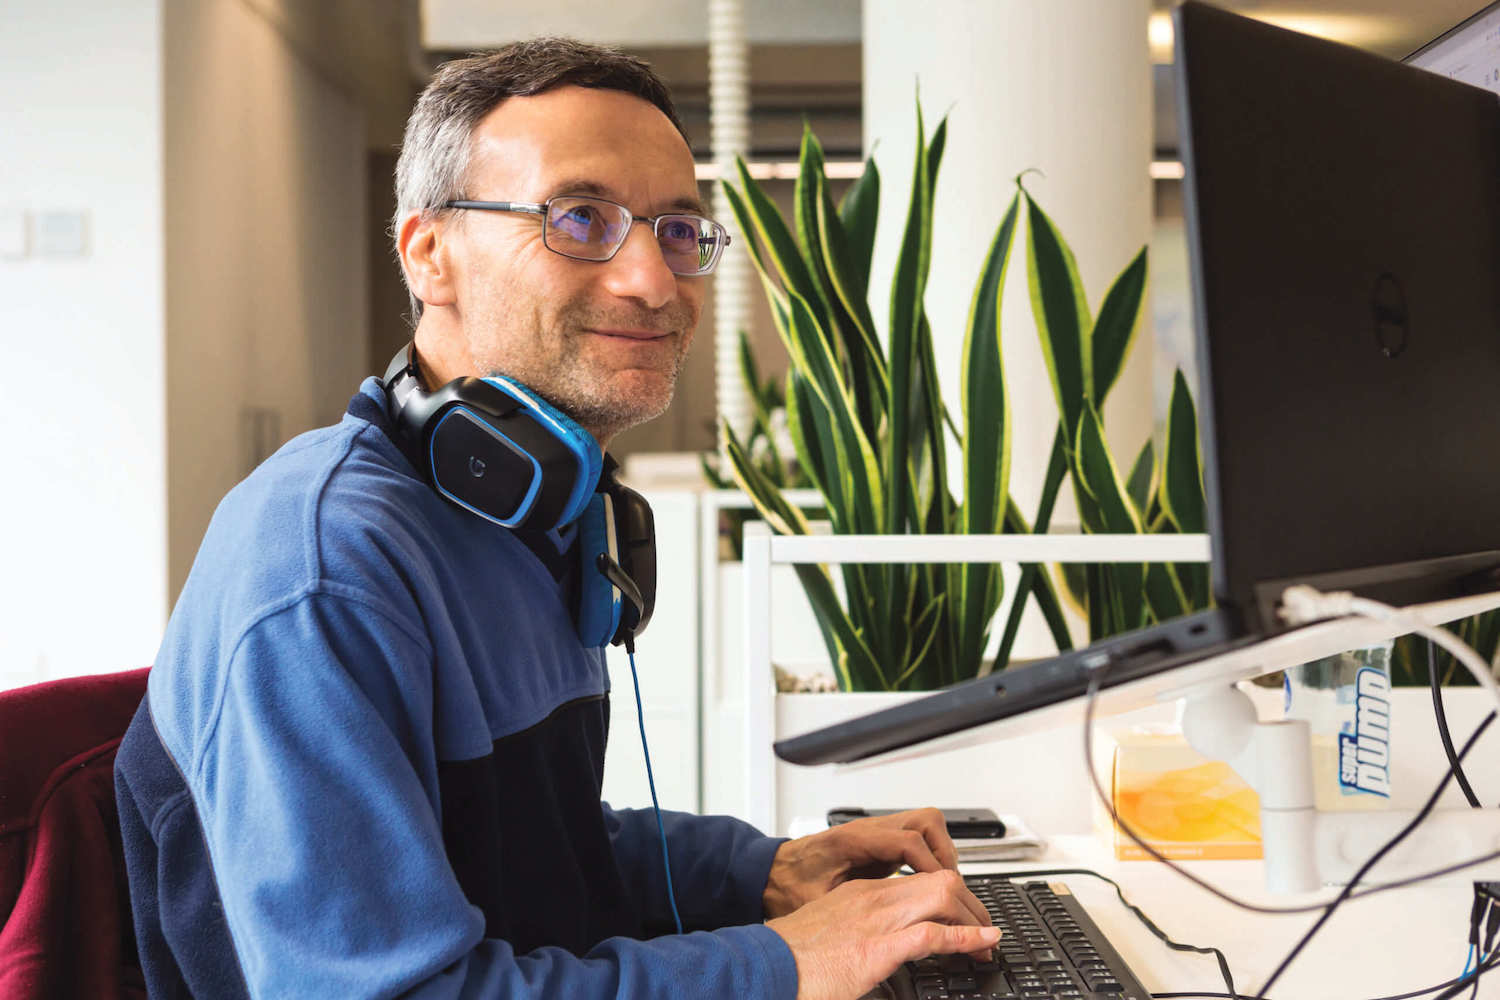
[65,927]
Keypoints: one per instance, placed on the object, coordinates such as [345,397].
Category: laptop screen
[1469,53]
[1344,214]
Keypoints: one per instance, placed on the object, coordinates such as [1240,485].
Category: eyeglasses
[594,229]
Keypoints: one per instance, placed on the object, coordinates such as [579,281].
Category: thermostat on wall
[61,234]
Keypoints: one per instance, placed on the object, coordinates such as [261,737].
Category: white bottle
[1346,700]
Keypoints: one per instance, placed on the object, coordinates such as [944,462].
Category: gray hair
[434,163]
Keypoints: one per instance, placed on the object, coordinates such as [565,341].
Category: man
[369,759]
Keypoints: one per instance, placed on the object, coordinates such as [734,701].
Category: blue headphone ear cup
[579,443]
[599,602]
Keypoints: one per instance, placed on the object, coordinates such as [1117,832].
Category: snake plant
[870,429]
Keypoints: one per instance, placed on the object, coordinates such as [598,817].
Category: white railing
[762,550]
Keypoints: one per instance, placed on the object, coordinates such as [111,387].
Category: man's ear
[426,257]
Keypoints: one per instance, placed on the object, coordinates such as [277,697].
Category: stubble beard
[563,372]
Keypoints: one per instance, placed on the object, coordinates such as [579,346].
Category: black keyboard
[1049,950]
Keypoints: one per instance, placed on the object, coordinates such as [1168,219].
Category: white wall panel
[83,575]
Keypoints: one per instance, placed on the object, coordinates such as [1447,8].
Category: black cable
[1458,981]
[1454,765]
[1492,927]
[1140,915]
[1374,859]
[1090,701]
[1462,983]
[1427,875]
[1442,726]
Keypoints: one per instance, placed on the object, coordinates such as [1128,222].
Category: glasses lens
[690,245]
[585,228]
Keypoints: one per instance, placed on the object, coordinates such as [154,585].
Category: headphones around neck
[496,449]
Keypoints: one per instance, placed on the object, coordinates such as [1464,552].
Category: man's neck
[442,355]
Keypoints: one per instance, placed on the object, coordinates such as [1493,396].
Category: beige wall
[267,310]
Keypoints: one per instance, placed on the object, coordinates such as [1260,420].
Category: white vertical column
[1063,87]
[759,681]
[729,124]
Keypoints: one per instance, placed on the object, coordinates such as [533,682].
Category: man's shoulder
[337,503]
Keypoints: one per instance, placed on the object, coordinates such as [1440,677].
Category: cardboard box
[1186,806]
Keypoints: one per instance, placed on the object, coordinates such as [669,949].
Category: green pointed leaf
[906,307]
[1142,474]
[806,438]
[1182,476]
[924,635]
[1032,575]
[1101,479]
[1098,476]
[1164,593]
[711,473]
[1195,581]
[986,440]
[854,456]
[783,518]
[859,210]
[856,666]
[935,159]
[1062,314]
[805,201]
[1119,319]
[1075,585]
[1039,587]
[854,662]
[758,217]
[841,268]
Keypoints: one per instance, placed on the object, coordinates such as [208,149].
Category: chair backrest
[65,927]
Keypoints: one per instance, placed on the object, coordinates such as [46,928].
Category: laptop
[1343,218]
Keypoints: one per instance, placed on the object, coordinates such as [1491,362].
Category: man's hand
[808,868]
[861,932]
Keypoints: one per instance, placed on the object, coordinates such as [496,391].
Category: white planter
[764,554]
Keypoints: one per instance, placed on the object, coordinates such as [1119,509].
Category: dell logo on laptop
[1392,320]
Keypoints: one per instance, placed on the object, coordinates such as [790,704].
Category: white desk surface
[1395,942]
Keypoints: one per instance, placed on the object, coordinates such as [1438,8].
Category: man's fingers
[934,829]
[959,905]
[921,940]
[975,907]
[917,853]
[940,896]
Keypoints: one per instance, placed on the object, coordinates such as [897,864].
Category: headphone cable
[640,717]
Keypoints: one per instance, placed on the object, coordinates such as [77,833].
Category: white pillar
[1063,86]
[729,125]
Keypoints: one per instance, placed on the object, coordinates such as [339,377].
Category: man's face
[603,340]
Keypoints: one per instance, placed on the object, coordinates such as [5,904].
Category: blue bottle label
[1365,753]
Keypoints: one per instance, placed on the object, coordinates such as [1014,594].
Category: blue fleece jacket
[369,765]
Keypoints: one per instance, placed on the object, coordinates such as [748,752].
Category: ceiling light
[1362,30]
[787,170]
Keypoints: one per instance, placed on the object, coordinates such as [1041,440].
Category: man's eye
[679,230]
[580,216]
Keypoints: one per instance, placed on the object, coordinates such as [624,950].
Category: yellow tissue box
[1183,804]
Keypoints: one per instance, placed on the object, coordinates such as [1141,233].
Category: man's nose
[639,271]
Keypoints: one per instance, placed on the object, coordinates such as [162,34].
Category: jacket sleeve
[719,866]
[310,762]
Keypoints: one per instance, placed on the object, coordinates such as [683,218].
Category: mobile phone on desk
[968,824]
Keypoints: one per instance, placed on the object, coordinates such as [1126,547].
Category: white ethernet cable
[1302,605]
